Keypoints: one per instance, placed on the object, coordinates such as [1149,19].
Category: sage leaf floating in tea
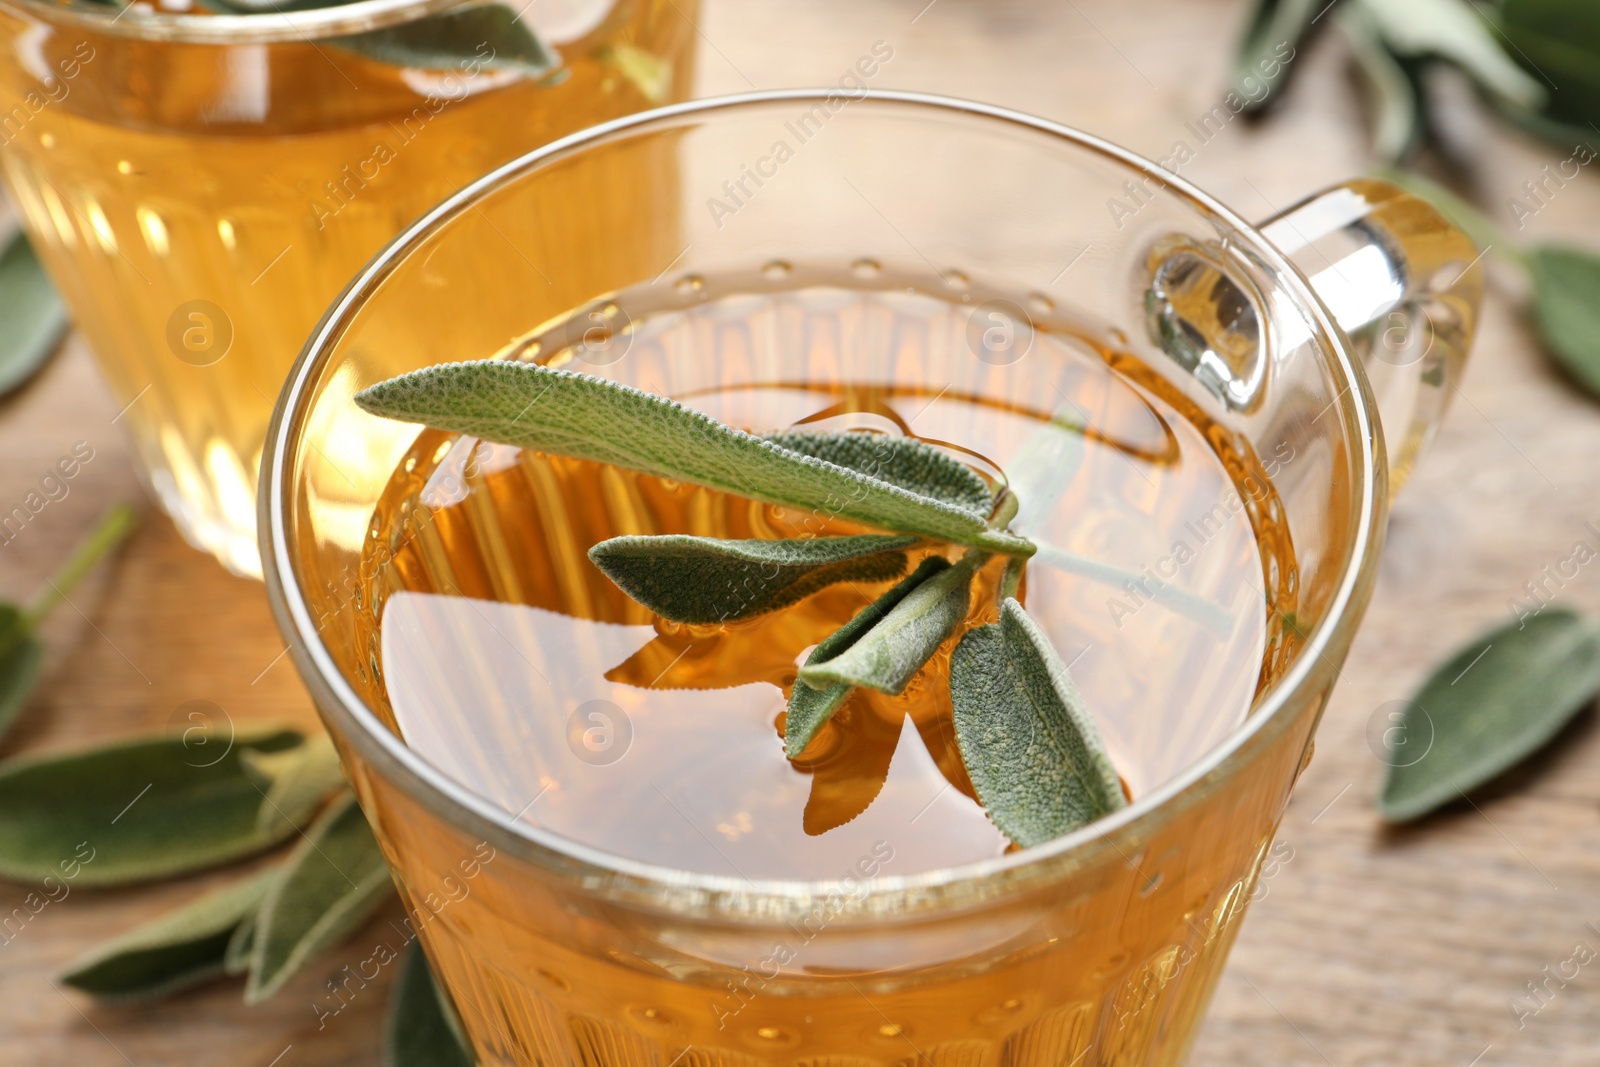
[422,1030]
[180,949]
[709,580]
[897,646]
[810,707]
[297,781]
[913,465]
[492,34]
[1031,749]
[332,882]
[146,808]
[1566,307]
[1498,700]
[32,317]
[21,651]
[579,415]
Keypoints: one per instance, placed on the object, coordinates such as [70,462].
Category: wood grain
[1366,946]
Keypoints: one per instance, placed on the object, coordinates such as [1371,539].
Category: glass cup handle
[1404,284]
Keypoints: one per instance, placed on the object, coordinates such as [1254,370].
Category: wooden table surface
[1365,946]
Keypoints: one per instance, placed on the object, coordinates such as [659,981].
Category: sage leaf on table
[579,415]
[1566,307]
[1031,749]
[32,317]
[891,652]
[236,958]
[332,883]
[422,1030]
[1498,700]
[180,949]
[147,808]
[810,708]
[1270,42]
[21,650]
[1457,33]
[1394,91]
[297,781]
[706,580]
[1557,41]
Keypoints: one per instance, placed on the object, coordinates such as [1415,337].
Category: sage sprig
[1503,696]
[895,484]
[21,650]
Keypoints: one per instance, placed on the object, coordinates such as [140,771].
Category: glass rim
[266,27]
[456,804]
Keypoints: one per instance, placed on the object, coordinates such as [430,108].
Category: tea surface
[515,666]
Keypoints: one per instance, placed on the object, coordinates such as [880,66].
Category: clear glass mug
[201,186]
[1346,316]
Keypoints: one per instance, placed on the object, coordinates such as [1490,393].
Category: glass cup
[1344,318]
[201,186]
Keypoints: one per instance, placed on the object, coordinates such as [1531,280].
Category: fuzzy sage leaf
[492,34]
[422,1030]
[579,415]
[332,883]
[1030,747]
[1566,281]
[297,781]
[177,950]
[708,580]
[891,653]
[1498,700]
[904,461]
[149,808]
[810,708]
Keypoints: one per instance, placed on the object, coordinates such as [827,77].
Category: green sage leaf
[21,655]
[236,959]
[707,580]
[422,1030]
[492,35]
[579,415]
[32,317]
[332,883]
[1031,749]
[1498,700]
[810,708]
[1566,284]
[913,465]
[1557,42]
[177,950]
[1271,39]
[297,781]
[891,652]
[1395,100]
[1454,31]
[143,809]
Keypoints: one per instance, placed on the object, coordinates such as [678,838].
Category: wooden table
[1365,947]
